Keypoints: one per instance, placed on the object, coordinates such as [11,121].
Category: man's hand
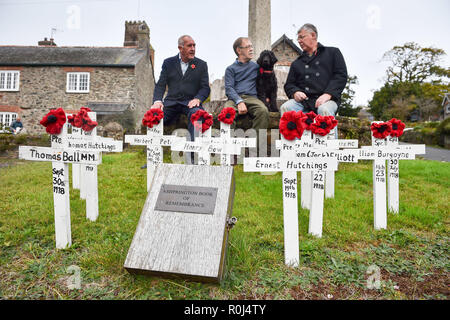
[158,104]
[194,103]
[299,96]
[322,99]
[242,108]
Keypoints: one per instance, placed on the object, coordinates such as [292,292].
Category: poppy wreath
[202,120]
[397,127]
[292,125]
[54,121]
[309,120]
[381,130]
[227,115]
[323,125]
[152,117]
[82,120]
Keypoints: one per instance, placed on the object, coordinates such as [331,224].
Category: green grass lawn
[412,254]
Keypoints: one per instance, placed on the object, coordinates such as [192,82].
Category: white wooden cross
[379,152]
[60,159]
[154,141]
[293,158]
[87,175]
[314,182]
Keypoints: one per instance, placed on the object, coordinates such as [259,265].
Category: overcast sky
[362,29]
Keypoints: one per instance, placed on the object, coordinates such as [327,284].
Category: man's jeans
[329,108]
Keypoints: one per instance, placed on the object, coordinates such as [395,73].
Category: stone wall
[144,87]
[42,88]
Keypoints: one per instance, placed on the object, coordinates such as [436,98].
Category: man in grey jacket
[240,85]
[317,78]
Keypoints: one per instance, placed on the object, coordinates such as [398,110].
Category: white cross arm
[197,146]
[244,142]
[344,155]
[254,164]
[413,148]
[240,142]
[58,155]
[234,143]
[99,145]
[286,145]
[386,153]
[164,141]
[293,145]
[346,143]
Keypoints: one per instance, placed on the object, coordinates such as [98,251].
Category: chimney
[46,42]
[137,34]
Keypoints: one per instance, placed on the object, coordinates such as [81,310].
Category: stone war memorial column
[259,25]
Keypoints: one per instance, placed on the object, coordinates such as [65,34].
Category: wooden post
[154,152]
[379,187]
[290,212]
[204,157]
[76,170]
[225,134]
[90,178]
[393,178]
[61,195]
[317,198]
[306,180]
[329,175]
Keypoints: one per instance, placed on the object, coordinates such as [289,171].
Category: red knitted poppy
[227,115]
[54,121]
[309,120]
[82,120]
[381,130]
[292,125]
[323,125]
[397,127]
[152,117]
[202,120]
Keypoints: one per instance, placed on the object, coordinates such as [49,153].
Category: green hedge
[10,143]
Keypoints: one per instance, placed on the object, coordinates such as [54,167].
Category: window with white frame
[9,80]
[6,119]
[77,82]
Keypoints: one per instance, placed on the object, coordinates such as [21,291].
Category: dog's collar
[261,71]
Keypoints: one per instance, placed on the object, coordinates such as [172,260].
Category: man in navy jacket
[186,78]
[317,78]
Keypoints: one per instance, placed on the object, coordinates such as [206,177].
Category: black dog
[266,82]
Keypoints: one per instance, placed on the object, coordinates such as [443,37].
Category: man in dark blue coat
[186,78]
[317,78]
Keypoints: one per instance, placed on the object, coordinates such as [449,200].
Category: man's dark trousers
[171,113]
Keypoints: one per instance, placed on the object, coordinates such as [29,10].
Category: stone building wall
[42,88]
[145,85]
[285,54]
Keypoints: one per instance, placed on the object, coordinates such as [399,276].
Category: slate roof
[70,56]
[108,107]
[288,41]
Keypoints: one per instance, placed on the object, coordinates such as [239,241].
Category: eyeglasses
[246,47]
